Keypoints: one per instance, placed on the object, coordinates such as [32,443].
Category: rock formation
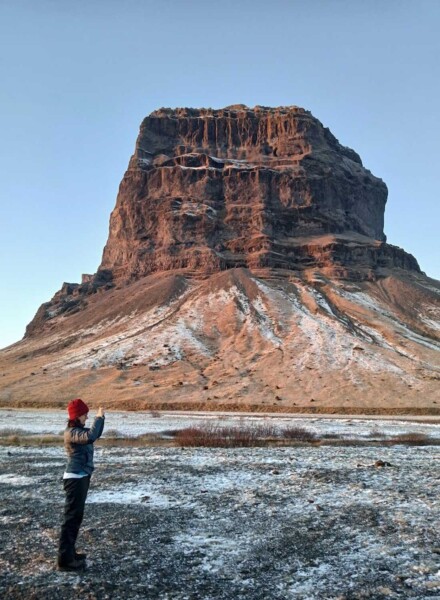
[208,190]
[244,239]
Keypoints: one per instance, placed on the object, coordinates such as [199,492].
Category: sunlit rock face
[246,268]
[208,190]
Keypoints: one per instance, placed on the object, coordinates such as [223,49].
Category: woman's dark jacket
[78,442]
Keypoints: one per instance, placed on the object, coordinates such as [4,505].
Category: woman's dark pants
[76,494]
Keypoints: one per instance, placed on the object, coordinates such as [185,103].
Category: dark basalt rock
[208,190]
[71,298]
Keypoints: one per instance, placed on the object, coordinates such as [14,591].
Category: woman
[78,442]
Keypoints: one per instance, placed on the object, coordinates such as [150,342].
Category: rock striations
[208,190]
[242,240]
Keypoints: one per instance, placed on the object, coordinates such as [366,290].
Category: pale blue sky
[77,77]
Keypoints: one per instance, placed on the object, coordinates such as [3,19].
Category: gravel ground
[255,523]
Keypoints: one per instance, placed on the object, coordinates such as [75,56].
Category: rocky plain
[302,522]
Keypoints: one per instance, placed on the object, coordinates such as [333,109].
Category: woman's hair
[74,423]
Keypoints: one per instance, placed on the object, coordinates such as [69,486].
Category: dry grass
[419,439]
[146,440]
[31,440]
[13,431]
[113,434]
[216,435]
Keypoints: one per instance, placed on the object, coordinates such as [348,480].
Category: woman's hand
[100,412]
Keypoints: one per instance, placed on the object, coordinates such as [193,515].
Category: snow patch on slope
[363,299]
[329,343]
[320,338]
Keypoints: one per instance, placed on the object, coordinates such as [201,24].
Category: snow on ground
[130,424]
[12,479]
[250,524]
[430,322]
[371,304]
[132,343]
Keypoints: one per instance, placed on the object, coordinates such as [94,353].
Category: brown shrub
[217,436]
[299,434]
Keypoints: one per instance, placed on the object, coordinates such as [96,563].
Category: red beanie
[76,408]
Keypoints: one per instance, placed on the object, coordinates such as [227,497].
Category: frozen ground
[254,524]
[137,423]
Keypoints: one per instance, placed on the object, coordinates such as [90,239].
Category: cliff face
[208,190]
